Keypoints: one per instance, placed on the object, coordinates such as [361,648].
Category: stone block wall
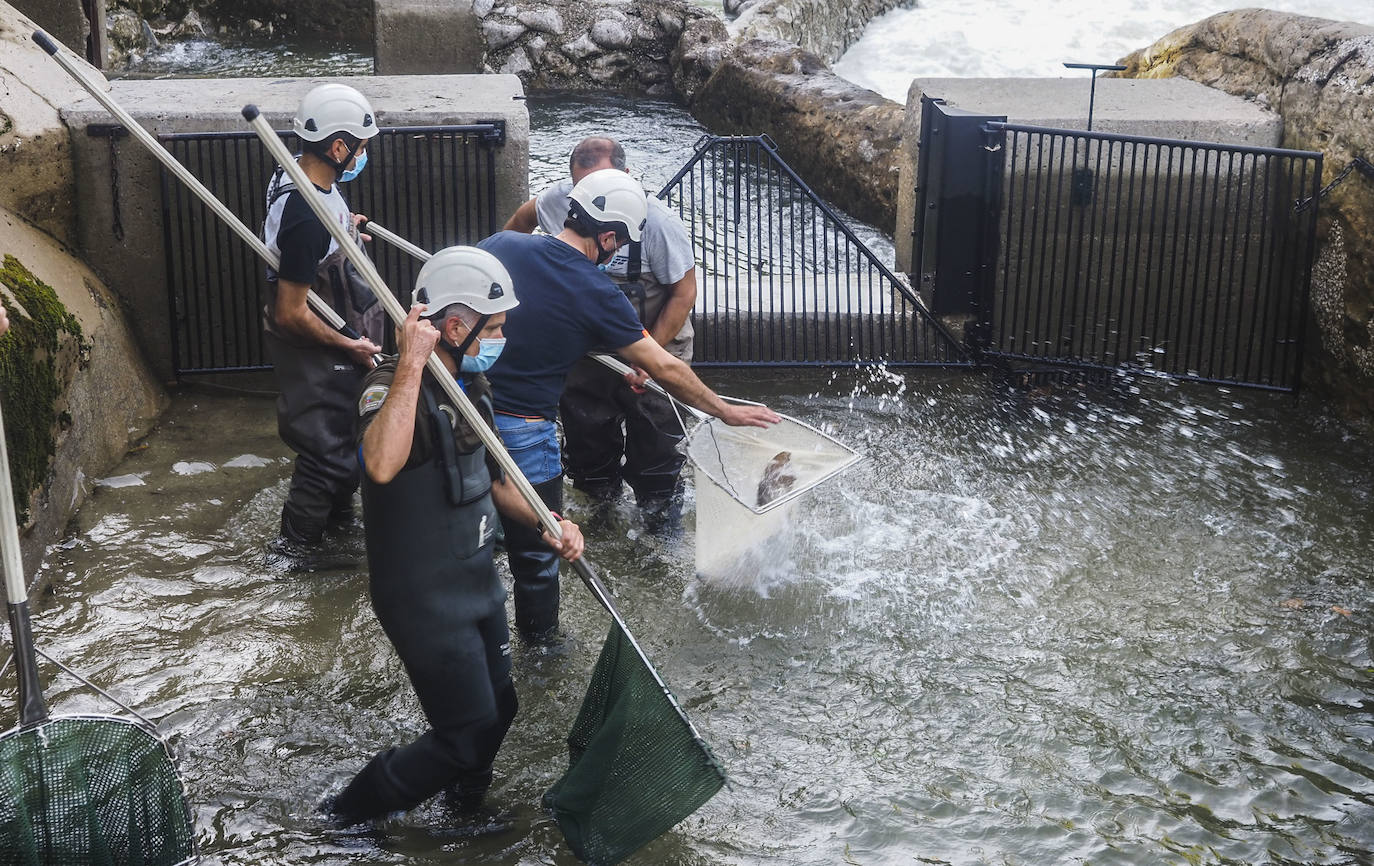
[826,28]
[1319,76]
[579,45]
[841,138]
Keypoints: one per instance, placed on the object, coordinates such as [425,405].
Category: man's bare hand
[359,219]
[636,379]
[362,351]
[749,416]
[570,546]
[417,337]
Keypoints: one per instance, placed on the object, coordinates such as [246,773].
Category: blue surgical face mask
[356,170]
[487,352]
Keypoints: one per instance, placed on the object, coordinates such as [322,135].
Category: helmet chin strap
[461,349]
[341,167]
[602,256]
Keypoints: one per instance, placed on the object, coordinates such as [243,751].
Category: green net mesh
[635,766]
[90,792]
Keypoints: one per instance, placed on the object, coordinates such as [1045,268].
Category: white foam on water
[108,527]
[247,461]
[116,481]
[1032,38]
[184,467]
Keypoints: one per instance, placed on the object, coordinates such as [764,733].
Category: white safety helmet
[610,200]
[464,275]
[330,109]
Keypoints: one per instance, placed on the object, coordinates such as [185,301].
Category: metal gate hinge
[496,135]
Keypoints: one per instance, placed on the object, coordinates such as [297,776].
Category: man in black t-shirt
[317,368]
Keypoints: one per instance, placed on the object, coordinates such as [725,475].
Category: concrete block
[135,265]
[1163,108]
[427,37]
[35,149]
[63,20]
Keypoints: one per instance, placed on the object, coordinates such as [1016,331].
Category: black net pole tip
[362,225]
[44,41]
[250,112]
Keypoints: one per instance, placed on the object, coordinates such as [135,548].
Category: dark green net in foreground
[90,792]
[635,766]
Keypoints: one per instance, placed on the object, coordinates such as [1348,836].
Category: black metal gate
[435,185]
[1099,250]
[784,281]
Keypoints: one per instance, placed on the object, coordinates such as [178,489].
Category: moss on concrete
[29,378]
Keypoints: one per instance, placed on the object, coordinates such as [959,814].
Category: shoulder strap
[447,452]
[279,186]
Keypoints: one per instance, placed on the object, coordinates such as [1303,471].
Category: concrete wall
[427,37]
[35,150]
[1163,109]
[841,138]
[107,397]
[63,20]
[135,266]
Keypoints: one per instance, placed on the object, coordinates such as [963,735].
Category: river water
[1032,38]
[1046,628]
[1028,629]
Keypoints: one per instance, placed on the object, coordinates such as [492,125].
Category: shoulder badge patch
[372,399]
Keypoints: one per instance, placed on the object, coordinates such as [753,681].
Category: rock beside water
[1319,76]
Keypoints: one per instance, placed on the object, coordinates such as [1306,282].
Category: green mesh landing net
[91,791]
[636,766]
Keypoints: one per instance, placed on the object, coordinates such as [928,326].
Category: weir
[121,216]
[1034,627]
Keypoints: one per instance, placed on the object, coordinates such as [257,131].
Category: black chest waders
[610,433]
[317,388]
[637,764]
[435,591]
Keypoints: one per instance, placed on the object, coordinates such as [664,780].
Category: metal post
[1092,90]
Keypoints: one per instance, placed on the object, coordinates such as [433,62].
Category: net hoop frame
[854,457]
[152,733]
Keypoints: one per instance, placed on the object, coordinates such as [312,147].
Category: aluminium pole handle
[145,138]
[368,271]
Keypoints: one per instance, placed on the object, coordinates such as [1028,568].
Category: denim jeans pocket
[533,445]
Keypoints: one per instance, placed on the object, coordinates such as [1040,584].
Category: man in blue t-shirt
[567,308]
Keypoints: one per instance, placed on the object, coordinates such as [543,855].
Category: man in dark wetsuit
[569,308]
[610,430]
[318,370]
[431,494]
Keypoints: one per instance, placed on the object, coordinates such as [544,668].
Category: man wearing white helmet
[318,369]
[610,430]
[568,308]
[431,494]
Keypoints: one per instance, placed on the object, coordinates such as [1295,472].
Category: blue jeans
[533,445]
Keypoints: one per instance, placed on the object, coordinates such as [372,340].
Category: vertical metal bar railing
[1160,256]
[796,286]
[215,284]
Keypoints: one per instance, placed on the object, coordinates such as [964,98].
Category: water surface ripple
[1026,630]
